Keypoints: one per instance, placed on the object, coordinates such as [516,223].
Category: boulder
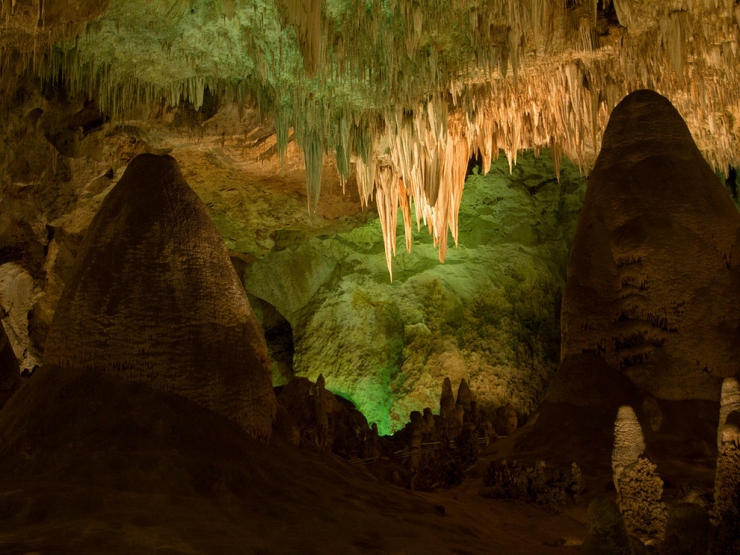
[607,534]
[154,299]
[688,532]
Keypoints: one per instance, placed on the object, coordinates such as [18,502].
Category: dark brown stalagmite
[9,370]
[154,299]
[654,273]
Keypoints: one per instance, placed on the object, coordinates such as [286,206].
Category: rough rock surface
[727,479]
[324,419]
[654,273]
[9,371]
[729,403]
[607,534]
[640,491]
[18,292]
[153,298]
[629,443]
[688,532]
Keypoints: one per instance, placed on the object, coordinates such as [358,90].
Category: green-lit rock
[489,314]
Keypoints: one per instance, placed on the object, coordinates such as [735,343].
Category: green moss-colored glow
[488,314]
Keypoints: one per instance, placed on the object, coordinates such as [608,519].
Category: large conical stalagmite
[9,369]
[654,273]
[154,299]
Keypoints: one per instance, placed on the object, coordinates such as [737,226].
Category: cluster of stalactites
[421,154]
[408,112]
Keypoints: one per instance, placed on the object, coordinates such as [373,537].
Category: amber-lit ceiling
[403,92]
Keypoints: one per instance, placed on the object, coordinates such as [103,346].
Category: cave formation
[459,238]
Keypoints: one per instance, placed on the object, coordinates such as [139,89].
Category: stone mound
[654,272]
[154,299]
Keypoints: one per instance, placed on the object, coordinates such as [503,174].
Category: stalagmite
[628,442]
[729,403]
[447,401]
[153,298]
[726,511]
[465,396]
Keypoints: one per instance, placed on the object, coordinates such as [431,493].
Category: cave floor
[92,464]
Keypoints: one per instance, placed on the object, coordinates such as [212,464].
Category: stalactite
[414,86]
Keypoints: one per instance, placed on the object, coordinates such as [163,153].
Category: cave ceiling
[398,93]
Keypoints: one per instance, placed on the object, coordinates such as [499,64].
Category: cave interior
[369,276]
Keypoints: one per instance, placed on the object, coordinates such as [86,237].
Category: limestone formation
[505,421]
[448,409]
[154,299]
[729,403]
[653,276]
[326,420]
[9,371]
[466,400]
[640,491]
[607,534]
[727,478]
[688,532]
[628,443]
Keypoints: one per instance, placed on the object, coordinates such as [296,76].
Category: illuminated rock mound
[653,276]
[9,370]
[154,299]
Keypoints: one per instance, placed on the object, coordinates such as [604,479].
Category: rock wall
[9,372]
[489,314]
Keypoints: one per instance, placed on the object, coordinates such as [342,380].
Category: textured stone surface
[607,534]
[9,371]
[727,478]
[18,291]
[640,492]
[153,298]
[654,273]
[729,402]
[489,314]
[629,443]
[688,532]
